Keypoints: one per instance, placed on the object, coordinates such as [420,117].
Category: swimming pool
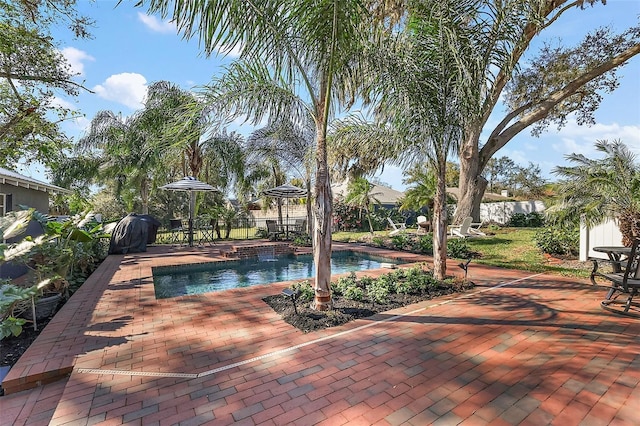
[172,281]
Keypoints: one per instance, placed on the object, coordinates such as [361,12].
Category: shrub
[305,289]
[424,244]
[378,241]
[343,284]
[354,293]
[378,290]
[558,240]
[529,220]
[458,248]
[347,218]
[401,241]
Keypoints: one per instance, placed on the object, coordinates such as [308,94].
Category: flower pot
[45,307]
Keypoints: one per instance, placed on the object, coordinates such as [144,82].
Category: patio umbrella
[286,191]
[191,184]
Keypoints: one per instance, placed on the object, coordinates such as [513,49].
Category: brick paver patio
[521,348]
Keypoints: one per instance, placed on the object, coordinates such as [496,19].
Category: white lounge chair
[397,227]
[423,224]
[466,229]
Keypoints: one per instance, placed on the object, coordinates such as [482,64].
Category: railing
[240,229]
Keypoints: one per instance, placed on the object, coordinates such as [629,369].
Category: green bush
[379,290]
[401,241]
[343,284]
[354,293]
[529,220]
[306,292]
[558,240]
[424,244]
[458,248]
[378,241]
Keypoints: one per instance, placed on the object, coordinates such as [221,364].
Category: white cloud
[230,52]
[126,88]
[581,139]
[76,58]
[156,25]
[56,101]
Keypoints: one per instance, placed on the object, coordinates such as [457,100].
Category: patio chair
[206,230]
[178,232]
[300,227]
[423,224]
[397,227]
[273,233]
[625,282]
[466,229]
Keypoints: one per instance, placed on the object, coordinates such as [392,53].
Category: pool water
[172,281]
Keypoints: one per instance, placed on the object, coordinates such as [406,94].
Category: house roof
[9,177]
[384,194]
[488,196]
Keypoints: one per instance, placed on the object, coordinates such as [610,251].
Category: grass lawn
[507,248]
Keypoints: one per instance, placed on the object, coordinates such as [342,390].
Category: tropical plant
[126,153]
[288,47]
[359,195]
[291,145]
[597,189]
[421,189]
[422,98]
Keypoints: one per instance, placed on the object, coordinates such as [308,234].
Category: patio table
[615,257]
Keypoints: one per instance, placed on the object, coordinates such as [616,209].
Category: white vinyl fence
[500,212]
[605,234]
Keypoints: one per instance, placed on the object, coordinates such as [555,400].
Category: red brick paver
[520,349]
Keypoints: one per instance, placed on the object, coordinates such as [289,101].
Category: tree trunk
[309,229]
[440,226]
[471,185]
[323,209]
[629,225]
[144,196]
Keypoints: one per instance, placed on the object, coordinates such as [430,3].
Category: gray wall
[28,197]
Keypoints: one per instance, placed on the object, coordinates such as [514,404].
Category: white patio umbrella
[191,184]
[286,191]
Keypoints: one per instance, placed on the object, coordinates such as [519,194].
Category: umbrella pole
[191,208]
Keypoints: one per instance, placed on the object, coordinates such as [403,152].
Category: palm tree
[422,188]
[291,145]
[359,195]
[597,189]
[185,133]
[421,99]
[126,151]
[302,46]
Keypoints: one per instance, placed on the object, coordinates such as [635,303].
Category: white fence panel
[605,234]
[501,212]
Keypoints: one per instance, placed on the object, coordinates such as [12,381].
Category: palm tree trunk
[368,213]
[440,226]
[144,196]
[323,212]
[309,229]
[629,225]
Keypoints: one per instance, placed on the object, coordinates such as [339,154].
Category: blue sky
[130,50]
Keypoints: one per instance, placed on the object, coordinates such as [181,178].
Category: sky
[130,50]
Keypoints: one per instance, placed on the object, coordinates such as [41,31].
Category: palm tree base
[322,301]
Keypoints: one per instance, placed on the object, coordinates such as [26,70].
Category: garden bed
[346,309]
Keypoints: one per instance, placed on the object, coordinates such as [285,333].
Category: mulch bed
[346,310]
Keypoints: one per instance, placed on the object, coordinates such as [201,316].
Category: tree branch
[530,31]
[541,109]
[50,80]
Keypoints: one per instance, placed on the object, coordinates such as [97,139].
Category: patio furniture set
[624,278]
